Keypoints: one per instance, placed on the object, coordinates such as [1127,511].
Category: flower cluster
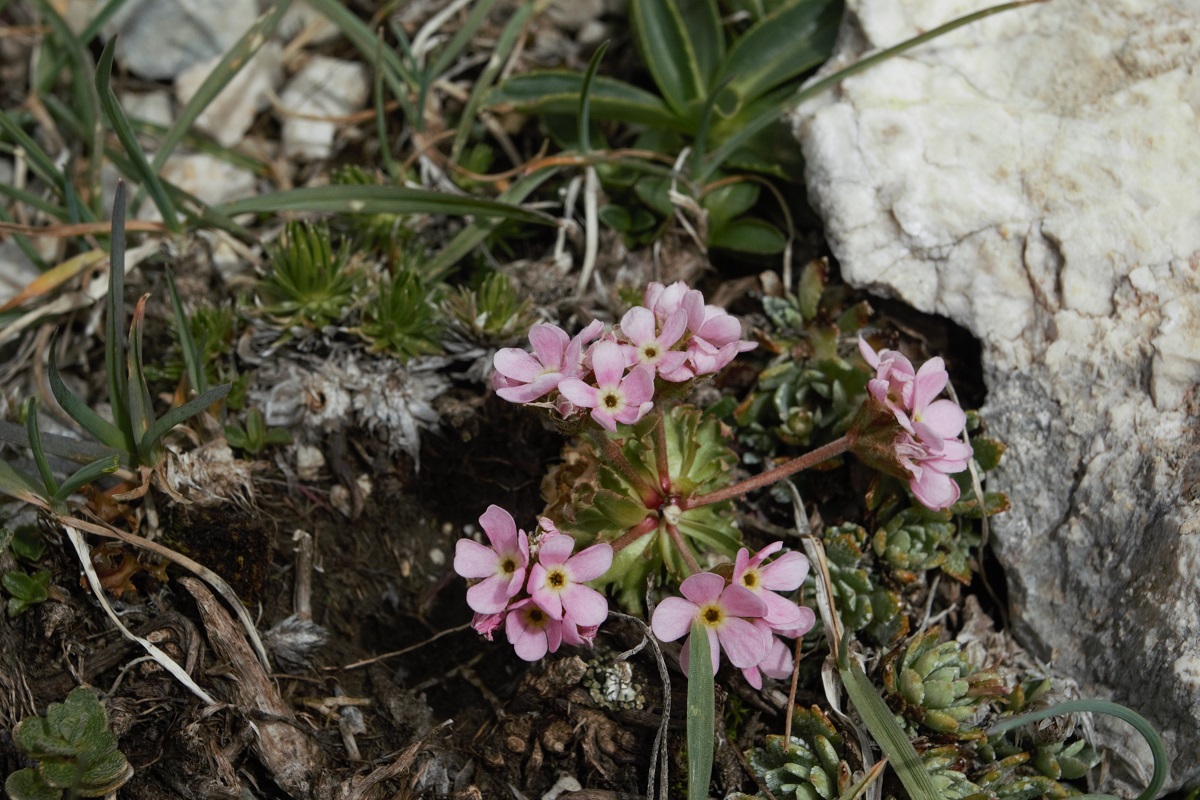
[541,603]
[744,616]
[925,448]
[674,336]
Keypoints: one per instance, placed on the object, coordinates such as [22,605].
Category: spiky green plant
[492,315]
[403,319]
[936,686]
[308,283]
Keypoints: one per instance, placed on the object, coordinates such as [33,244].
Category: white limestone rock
[159,39]
[324,89]
[232,111]
[1034,177]
[211,180]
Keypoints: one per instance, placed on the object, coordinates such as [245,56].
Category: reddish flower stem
[636,532]
[660,452]
[650,497]
[684,550]
[810,459]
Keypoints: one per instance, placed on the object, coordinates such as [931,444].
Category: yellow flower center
[556,579]
[711,615]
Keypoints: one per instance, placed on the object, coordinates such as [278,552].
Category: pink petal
[669,365]
[638,325]
[556,550]
[741,563]
[529,642]
[807,620]
[703,587]
[673,328]
[500,528]
[590,564]
[869,355]
[527,393]
[549,343]
[473,560]
[766,552]
[934,489]
[549,600]
[673,618]
[786,573]
[608,364]
[738,601]
[778,661]
[714,649]
[744,643]
[945,418]
[753,677]
[579,392]
[638,386]
[930,381]
[517,364]
[781,614]
[489,596]
[587,606]
[719,328]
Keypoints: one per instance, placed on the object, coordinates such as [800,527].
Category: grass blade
[585,99]
[1140,723]
[15,483]
[120,124]
[91,472]
[701,713]
[182,413]
[141,405]
[35,445]
[500,53]
[351,199]
[193,357]
[474,234]
[225,70]
[114,319]
[879,720]
[42,163]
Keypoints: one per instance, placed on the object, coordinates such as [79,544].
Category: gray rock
[321,92]
[159,39]
[232,111]
[1033,177]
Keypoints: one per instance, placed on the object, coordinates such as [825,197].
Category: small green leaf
[85,475]
[25,590]
[681,42]
[729,201]
[701,713]
[35,445]
[193,357]
[749,235]
[988,452]
[183,413]
[79,411]
[585,98]
[26,784]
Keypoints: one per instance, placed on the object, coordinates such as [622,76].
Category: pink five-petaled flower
[911,397]
[726,614]
[556,581]
[531,631]
[616,397]
[892,386]
[522,377]
[784,574]
[650,348]
[929,469]
[502,566]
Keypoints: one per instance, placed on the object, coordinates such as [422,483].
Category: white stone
[232,111]
[210,179]
[324,89]
[159,39]
[1034,177]
[303,18]
[153,107]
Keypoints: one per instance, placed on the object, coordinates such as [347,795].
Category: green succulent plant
[912,543]
[864,604]
[1010,779]
[936,686]
[811,768]
[403,318]
[24,590]
[1065,761]
[600,503]
[75,752]
[494,314]
[944,765]
[308,283]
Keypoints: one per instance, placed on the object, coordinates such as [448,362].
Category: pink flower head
[929,469]
[892,386]
[556,581]
[486,624]
[502,566]
[934,420]
[531,631]
[725,612]
[522,377]
[665,301]
[650,348]
[616,397]
[784,574]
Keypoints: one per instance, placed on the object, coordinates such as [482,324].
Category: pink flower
[486,624]
[892,386]
[667,300]
[522,377]
[784,574]
[651,349]
[531,631]
[502,566]
[934,420]
[725,612]
[616,397]
[556,581]
[929,469]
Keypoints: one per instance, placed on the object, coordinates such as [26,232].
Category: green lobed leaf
[701,713]
[26,784]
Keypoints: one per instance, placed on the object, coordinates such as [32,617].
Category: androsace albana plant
[646,495]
